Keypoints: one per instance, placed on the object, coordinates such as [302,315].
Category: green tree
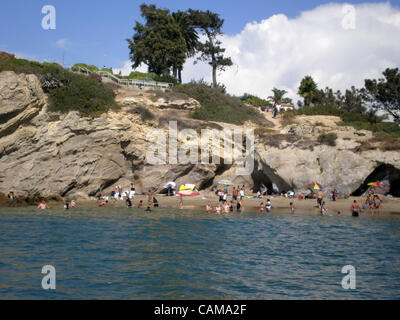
[159,43]
[307,89]
[278,96]
[189,34]
[353,101]
[384,94]
[211,51]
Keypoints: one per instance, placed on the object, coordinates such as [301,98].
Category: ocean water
[106,253]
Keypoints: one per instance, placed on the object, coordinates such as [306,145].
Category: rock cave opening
[383,173]
[259,177]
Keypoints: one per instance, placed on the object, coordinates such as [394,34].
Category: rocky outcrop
[51,155]
[155,99]
[21,98]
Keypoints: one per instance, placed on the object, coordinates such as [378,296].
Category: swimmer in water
[208,208]
[43,205]
[292,208]
[262,207]
[226,207]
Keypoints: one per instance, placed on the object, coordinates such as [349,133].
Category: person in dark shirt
[155,202]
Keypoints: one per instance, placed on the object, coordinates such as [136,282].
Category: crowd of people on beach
[373,200]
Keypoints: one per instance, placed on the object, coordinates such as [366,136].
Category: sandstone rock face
[47,154]
[155,99]
[21,98]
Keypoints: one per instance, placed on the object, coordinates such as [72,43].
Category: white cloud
[126,69]
[279,52]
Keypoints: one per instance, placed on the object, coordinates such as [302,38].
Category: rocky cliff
[50,154]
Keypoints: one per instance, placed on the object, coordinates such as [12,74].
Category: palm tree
[278,96]
[189,34]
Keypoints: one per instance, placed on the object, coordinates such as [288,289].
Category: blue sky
[95,31]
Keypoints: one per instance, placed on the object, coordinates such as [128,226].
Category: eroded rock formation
[48,154]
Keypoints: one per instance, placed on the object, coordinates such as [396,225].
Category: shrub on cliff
[67,90]
[328,139]
[216,105]
[83,94]
[145,114]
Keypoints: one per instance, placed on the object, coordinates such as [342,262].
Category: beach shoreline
[279,204]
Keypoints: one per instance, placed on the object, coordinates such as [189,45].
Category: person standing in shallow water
[208,208]
[128,202]
[234,194]
[149,198]
[292,207]
[180,202]
[355,209]
[239,206]
[323,209]
[320,197]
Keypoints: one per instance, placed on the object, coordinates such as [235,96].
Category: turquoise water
[105,253]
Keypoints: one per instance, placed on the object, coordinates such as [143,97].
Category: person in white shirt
[241,193]
[278,108]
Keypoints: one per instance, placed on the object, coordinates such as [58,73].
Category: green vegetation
[384,94]
[84,94]
[217,105]
[278,96]
[255,101]
[381,141]
[167,39]
[67,90]
[357,107]
[89,67]
[328,139]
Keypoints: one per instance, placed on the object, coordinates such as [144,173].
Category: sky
[272,43]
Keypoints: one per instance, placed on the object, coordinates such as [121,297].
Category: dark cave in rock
[383,172]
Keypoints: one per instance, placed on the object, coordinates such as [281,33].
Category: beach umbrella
[225,182]
[170,184]
[375,184]
[315,186]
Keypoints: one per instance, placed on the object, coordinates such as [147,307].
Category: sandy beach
[279,204]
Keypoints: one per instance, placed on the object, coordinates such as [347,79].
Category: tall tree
[353,101]
[384,94]
[189,34]
[307,89]
[159,43]
[278,96]
[211,51]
